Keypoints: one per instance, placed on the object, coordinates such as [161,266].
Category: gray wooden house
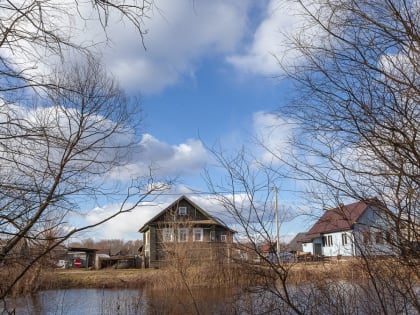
[184,229]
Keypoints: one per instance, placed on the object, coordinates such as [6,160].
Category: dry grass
[203,276]
[309,272]
[105,278]
[168,278]
[197,276]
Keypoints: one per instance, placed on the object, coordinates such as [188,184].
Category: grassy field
[105,278]
[168,277]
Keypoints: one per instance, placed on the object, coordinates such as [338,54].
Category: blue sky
[208,75]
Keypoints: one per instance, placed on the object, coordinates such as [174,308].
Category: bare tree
[356,113]
[359,286]
[35,32]
[59,155]
[357,107]
[63,131]
[246,193]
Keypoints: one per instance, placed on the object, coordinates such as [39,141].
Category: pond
[337,297]
[80,301]
[120,301]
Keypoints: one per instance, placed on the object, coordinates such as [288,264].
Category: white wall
[337,247]
[308,248]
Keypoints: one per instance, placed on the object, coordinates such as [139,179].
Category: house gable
[183,211]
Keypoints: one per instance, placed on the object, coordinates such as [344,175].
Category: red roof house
[348,230]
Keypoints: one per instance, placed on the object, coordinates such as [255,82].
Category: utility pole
[277,223]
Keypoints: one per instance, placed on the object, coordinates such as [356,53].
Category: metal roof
[341,218]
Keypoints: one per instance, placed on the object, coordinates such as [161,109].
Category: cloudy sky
[209,75]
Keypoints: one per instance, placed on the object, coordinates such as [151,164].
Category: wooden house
[350,230]
[184,229]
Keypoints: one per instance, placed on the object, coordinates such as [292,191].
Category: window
[182,210]
[197,234]
[223,238]
[212,236]
[182,234]
[147,238]
[388,237]
[327,241]
[379,238]
[168,235]
[344,239]
[366,237]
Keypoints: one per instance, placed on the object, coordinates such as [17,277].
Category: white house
[350,230]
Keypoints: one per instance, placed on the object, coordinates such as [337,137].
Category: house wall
[173,230]
[372,233]
[207,249]
[155,247]
[308,248]
[338,243]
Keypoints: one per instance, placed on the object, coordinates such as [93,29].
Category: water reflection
[81,301]
[329,297]
[110,301]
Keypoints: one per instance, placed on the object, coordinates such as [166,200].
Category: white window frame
[330,241]
[168,235]
[327,241]
[344,239]
[182,210]
[223,237]
[212,236]
[182,231]
[147,243]
[201,232]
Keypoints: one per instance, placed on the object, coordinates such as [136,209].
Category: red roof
[340,219]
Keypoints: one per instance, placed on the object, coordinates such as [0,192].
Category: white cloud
[164,159]
[273,134]
[179,33]
[124,226]
[57,123]
[271,41]
[268,42]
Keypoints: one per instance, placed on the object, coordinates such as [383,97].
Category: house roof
[81,249]
[268,247]
[341,218]
[296,243]
[211,219]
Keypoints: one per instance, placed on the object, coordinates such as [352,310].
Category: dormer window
[182,211]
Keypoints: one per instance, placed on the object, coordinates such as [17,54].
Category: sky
[208,75]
